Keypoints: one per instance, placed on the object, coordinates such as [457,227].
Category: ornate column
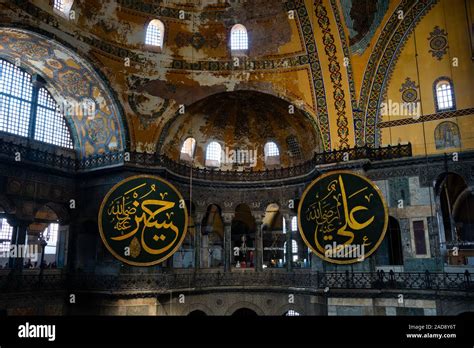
[197,241]
[227,242]
[258,244]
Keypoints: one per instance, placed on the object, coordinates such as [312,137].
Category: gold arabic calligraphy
[132,213]
[333,214]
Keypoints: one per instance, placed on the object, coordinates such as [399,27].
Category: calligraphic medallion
[342,217]
[143,220]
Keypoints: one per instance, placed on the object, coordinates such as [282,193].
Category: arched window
[213,154]
[294,250]
[187,150]
[294,224]
[6,232]
[51,236]
[292,313]
[272,154]
[444,94]
[155,33]
[28,110]
[238,38]
[63,7]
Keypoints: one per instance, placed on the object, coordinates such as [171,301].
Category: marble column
[289,241]
[227,244]
[197,242]
[258,245]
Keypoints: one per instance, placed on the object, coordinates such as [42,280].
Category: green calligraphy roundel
[143,220]
[342,217]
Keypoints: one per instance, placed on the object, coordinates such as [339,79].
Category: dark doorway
[244,312]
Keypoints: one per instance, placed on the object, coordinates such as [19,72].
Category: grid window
[444,95]
[294,146]
[16,101]
[213,154]
[238,38]
[59,5]
[294,224]
[292,313]
[6,232]
[271,149]
[50,124]
[188,148]
[294,247]
[154,33]
[51,236]
[294,250]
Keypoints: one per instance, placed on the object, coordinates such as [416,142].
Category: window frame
[235,28]
[37,84]
[437,82]
[207,161]
[66,10]
[185,156]
[161,26]
[271,160]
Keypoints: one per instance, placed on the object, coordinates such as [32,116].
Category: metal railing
[164,282]
[46,155]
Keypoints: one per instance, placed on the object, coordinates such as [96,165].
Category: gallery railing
[163,282]
[48,156]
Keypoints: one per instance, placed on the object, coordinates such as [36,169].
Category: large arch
[244,304]
[71,79]
[249,111]
[380,67]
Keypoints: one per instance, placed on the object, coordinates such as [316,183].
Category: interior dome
[240,121]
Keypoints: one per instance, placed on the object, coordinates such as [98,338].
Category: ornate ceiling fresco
[332,59]
[244,120]
[71,80]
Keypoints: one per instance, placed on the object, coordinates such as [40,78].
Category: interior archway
[72,81]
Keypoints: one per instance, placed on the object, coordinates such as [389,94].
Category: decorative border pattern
[347,54]
[318,84]
[426,118]
[387,64]
[377,52]
[335,73]
[68,81]
[153,9]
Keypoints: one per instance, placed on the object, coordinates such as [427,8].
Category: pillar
[289,241]
[227,244]
[18,239]
[197,242]
[258,245]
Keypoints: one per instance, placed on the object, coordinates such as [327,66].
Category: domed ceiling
[333,59]
[244,120]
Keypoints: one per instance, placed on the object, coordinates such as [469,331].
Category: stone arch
[286,307]
[298,106]
[380,67]
[70,78]
[197,307]
[7,205]
[212,237]
[243,237]
[244,304]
